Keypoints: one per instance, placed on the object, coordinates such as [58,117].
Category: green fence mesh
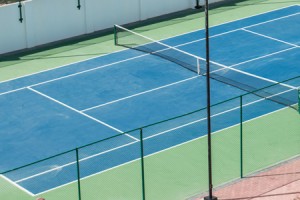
[174,169]
[121,182]
[226,143]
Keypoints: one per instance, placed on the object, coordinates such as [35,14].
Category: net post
[115,35]
[241,138]
[78,174]
[198,66]
[142,165]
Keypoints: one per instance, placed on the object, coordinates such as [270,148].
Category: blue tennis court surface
[57,110]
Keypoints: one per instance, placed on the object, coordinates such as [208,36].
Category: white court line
[141,93]
[12,91]
[82,113]
[265,36]
[16,185]
[258,58]
[149,137]
[67,65]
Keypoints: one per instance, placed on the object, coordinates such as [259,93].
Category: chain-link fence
[166,160]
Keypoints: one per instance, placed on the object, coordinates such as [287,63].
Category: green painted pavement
[180,172]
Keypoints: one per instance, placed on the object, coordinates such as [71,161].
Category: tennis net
[281,93]
[133,40]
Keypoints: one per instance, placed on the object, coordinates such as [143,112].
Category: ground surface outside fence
[277,183]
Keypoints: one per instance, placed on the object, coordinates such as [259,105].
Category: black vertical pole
[115,35]
[142,165]
[210,182]
[78,174]
[241,137]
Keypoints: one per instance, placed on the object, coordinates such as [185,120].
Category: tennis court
[70,106]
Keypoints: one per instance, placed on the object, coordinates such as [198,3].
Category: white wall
[51,20]
[105,13]
[12,32]
[153,8]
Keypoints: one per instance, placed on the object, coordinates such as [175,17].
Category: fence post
[20,11]
[198,4]
[78,174]
[115,35]
[241,137]
[78,4]
[142,164]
